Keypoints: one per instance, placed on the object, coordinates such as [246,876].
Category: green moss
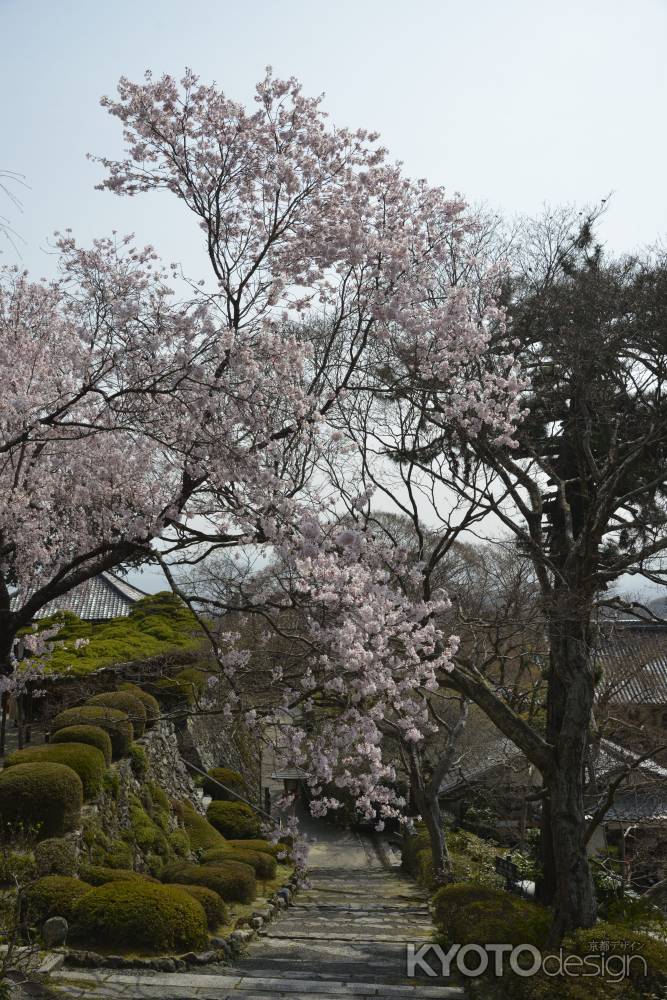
[119,854]
[466,913]
[157,625]
[151,705]
[234,819]
[159,798]
[44,798]
[87,761]
[194,680]
[264,864]
[111,783]
[114,722]
[180,843]
[146,833]
[126,702]
[54,896]
[99,875]
[141,916]
[202,835]
[233,881]
[93,735]
[279,850]
[232,781]
[214,907]
[139,761]
[56,856]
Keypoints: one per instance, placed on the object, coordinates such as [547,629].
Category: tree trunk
[440,859]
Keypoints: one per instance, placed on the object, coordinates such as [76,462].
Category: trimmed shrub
[54,896]
[88,762]
[233,881]
[94,736]
[98,875]
[265,846]
[466,913]
[214,907]
[652,950]
[193,680]
[126,702]
[147,834]
[202,835]
[150,703]
[234,819]
[138,761]
[143,916]
[179,843]
[119,855]
[113,721]
[16,867]
[264,864]
[232,779]
[43,797]
[55,856]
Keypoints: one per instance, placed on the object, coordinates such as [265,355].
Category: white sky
[512,103]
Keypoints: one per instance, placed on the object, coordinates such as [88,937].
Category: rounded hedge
[87,761]
[265,846]
[151,704]
[94,736]
[126,702]
[143,916]
[113,721]
[468,913]
[232,880]
[202,835]
[225,776]
[99,875]
[55,856]
[263,864]
[54,896]
[234,819]
[44,797]
[214,907]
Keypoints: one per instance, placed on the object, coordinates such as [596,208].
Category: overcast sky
[511,103]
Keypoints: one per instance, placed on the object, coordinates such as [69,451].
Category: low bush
[472,857]
[234,819]
[45,798]
[194,680]
[150,703]
[466,913]
[213,904]
[138,761]
[56,856]
[119,854]
[112,720]
[202,835]
[180,843]
[280,851]
[233,881]
[94,736]
[142,916]
[88,762]
[99,875]
[232,780]
[263,864]
[54,896]
[148,836]
[124,701]
[634,942]
[16,867]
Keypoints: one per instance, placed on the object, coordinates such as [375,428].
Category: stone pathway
[344,936]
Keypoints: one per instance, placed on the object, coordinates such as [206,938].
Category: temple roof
[103,596]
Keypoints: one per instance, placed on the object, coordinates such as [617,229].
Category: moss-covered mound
[54,896]
[234,819]
[263,864]
[88,762]
[468,913]
[150,703]
[233,782]
[233,881]
[214,907]
[281,851]
[141,916]
[202,835]
[43,798]
[55,856]
[99,875]
[94,736]
[111,720]
[126,702]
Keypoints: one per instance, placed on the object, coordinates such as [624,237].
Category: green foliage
[232,880]
[279,850]
[234,819]
[264,864]
[141,916]
[92,735]
[114,722]
[54,896]
[214,907]
[146,833]
[138,761]
[193,679]
[150,703]
[472,857]
[56,856]
[88,762]
[466,913]
[180,843]
[99,875]
[654,951]
[119,854]
[231,779]
[43,797]
[111,783]
[638,915]
[16,867]
[124,701]
[157,625]
[202,835]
